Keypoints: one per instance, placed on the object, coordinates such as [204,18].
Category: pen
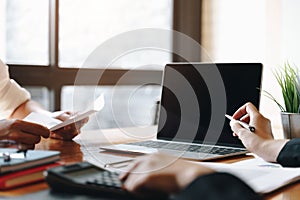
[243,124]
[116,164]
[24,151]
[6,143]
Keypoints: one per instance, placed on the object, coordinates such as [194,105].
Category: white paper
[109,162]
[263,177]
[42,119]
[55,124]
[71,120]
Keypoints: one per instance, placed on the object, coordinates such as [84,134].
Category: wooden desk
[71,152]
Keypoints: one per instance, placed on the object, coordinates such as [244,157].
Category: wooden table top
[71,152]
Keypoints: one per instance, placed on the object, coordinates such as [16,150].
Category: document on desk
[263,177]
[110,162]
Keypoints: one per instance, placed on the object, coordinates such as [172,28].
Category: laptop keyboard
[188,147]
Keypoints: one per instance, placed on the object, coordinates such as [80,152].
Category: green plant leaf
[288,80]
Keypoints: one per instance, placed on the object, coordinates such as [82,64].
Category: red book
[23,177]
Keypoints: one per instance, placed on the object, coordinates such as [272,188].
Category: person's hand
[260,142]
[25,134]
[248,113]
[70,131]
[160,175]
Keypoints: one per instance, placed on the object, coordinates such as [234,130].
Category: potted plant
[288,79]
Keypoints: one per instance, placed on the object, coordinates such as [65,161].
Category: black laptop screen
[187,104]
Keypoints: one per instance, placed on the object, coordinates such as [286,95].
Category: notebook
[195,98]
[24,177]
[18,161]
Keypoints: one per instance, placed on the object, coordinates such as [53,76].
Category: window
[84,25]
[125,106]
[48,40]
[237,34]
[254,31]
[24,32]
[41,95]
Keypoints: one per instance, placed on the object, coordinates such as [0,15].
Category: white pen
[119,164]
[243,124]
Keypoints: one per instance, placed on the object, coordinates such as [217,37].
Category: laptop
[195,98]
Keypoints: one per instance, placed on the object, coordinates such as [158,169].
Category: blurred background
[45,42]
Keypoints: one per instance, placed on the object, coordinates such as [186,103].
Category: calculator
[86,178]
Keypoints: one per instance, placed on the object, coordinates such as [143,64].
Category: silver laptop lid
[195,98]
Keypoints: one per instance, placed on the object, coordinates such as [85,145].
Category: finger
[64,115]
[70,130]
[25,146]
[146,184]
[85,120]
[240,112]
[130,169]
[23,137]
[56,136]
[235,126]
[251,110]
[68,127]
[81,123]
[64,134]
[239,130]
[247,108]
[245,118]
[31,128]
[134,182]
[76,126]
[167,184]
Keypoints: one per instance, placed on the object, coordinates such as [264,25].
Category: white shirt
[11,94]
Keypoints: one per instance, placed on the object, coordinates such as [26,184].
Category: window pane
[41,95]
[232,33]
[25,31]
[254,31]
[125,106]
[84,25]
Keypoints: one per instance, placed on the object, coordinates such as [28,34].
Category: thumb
[238,130]
[235,126]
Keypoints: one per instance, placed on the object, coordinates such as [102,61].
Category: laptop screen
[196,97]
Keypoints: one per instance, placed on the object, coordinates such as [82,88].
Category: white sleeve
[11,94]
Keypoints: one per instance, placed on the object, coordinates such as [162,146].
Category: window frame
[186,19]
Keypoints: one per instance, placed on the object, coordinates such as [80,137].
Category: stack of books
[18,168]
